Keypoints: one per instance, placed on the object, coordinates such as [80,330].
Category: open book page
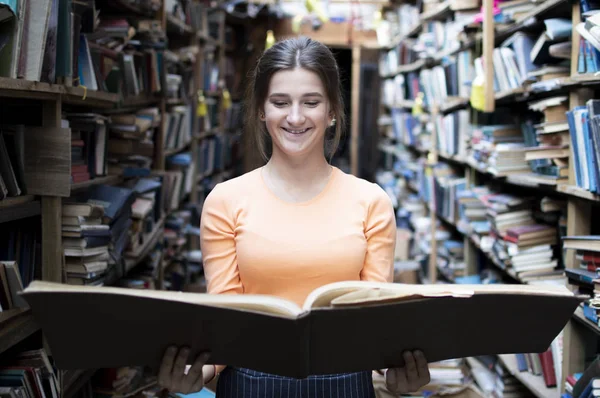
[257,303]
[363,293]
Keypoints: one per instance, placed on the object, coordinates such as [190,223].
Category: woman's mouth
[296,131]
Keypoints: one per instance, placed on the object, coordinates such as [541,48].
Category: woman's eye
[279,103]
[312,103]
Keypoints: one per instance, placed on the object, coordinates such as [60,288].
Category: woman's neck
[297,180]
[299,172]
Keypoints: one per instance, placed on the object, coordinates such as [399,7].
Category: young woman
[295,224]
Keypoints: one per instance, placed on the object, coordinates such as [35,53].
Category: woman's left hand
[409,378]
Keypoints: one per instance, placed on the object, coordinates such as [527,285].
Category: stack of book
[520,242]
[498,149]
[548,142]
[131,147]
[114,225]
[85,243]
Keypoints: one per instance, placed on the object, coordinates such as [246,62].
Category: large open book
[342,327]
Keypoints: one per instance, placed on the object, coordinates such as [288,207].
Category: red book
[527,229]
[548,368]
[79,169]
[80,177]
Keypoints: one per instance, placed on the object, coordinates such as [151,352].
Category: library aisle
[489,148]
[479,119]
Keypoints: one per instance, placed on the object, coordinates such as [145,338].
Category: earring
[262,115]
[332,122]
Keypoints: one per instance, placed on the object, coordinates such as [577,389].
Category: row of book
[450,79]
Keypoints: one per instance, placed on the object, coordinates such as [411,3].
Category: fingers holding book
[410,377]
[174,374]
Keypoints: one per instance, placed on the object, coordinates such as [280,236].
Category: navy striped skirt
[246,383]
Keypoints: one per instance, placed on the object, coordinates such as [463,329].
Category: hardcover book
[342,327]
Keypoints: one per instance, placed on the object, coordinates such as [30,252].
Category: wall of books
[117,117]
[507,196]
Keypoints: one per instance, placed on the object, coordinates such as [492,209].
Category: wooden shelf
[173,151]
[407,68]
[510,94]
[405,104]
[439,12]
[502,34]
[534,383]
[578,192]
[454,103]
[108,180]
[18,208]
[15,326]
[580,317]
[176,101]
[19,88]
[140,100]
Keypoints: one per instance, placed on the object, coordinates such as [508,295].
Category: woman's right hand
[172,375]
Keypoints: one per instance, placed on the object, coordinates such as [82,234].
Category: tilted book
[342,327]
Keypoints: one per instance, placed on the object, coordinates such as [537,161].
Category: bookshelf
[178,54]
[430,144]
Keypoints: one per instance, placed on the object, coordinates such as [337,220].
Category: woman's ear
[261,115]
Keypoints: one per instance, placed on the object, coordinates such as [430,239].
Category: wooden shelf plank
[440,11]
[108,180]
[19,210]
[173,151]
[509,94]
[140,100]
[578,315]
[534,383]
[15,326]
[80,96]
[19,88]
[578,192]
[454,103]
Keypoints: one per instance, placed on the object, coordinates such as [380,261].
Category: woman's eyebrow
[315,94]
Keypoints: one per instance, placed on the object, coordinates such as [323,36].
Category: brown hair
[301,52]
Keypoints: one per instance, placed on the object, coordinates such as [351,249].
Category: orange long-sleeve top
[254,242]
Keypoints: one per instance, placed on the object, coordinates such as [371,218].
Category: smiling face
[297,113]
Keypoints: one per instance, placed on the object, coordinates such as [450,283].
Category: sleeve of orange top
[380,232]
[218,245]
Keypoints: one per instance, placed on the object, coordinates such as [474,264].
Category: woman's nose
[295,115]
